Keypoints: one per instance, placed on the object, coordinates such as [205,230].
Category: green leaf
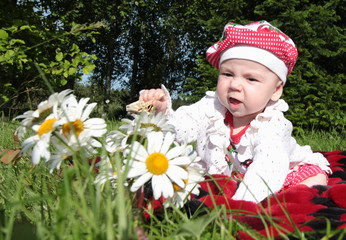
[63,81]
[195,227]
[14,41]
[72,70]
[9,54]
[26,27]
[3,34]
[59,56]
[6,99]
[88,68]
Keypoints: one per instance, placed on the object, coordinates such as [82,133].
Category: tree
[207,21]
[146,43]
[141,42]
[30,43]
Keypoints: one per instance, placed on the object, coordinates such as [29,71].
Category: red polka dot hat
[260,42]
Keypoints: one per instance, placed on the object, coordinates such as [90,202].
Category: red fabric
[219,183]
[265,36]
[337,193]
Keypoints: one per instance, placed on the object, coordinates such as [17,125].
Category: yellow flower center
[176,187]
[46,127]
[157,163]
[77,126]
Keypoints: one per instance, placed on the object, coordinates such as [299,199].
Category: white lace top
[267,142]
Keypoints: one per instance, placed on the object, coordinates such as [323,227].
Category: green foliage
[206,81]
[29,38]
[63,206]
[68,63]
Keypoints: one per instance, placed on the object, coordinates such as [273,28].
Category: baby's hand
[158,98]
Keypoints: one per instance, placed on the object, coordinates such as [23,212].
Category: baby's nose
[235,84]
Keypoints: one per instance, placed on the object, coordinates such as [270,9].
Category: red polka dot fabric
[259,34]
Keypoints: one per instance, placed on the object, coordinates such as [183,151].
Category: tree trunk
[109,73]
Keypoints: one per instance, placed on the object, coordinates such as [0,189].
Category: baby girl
[240,130]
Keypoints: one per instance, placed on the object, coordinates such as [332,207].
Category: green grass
[35,204]
[7,129]
[323,141]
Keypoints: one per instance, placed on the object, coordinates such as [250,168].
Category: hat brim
[259,55]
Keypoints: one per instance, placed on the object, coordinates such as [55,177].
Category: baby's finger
[142,95]
[160,95]
[152,94]
[146,95]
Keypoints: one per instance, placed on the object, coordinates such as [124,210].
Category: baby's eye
[252,80]
[228,74]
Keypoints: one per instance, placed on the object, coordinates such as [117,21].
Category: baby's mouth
[234,102]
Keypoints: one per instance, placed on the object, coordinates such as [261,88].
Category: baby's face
[245,87]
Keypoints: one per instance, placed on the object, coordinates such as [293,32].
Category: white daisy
[64,153]
[145,123]
[26,123]
[46,106]
[181,195]
[58,156]
[159,163]
[40,140]
[76,126]
[43,110]
[116,141]
[107,172]
[139,127]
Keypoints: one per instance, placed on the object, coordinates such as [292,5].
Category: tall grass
[35,204]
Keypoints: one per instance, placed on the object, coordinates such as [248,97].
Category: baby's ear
[278,91]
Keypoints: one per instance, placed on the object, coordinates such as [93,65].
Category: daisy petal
[139,152]
[177,175]
[175,152]
[35,155]
[81,104]
[87,111]
[168,140]
[137,169]
[167,187]
[154,141]
[156,184]
[181,161]
[178,171]
[140,181]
